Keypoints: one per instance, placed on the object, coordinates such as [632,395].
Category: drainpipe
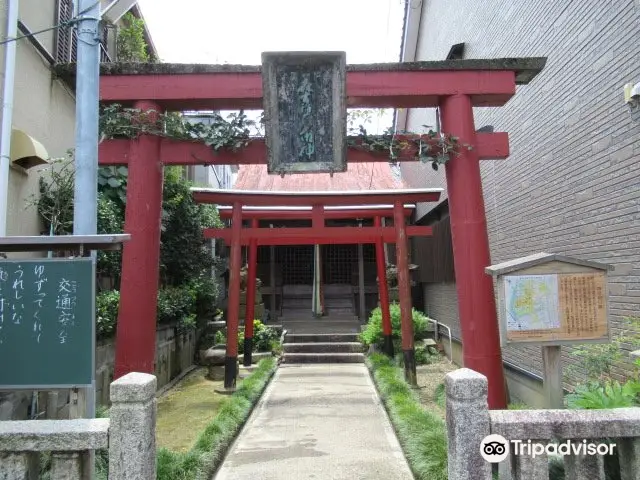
[7,112]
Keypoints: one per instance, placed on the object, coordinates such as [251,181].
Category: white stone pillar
[132,429]
[467,424]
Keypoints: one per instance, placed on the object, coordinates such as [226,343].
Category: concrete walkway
[322,422]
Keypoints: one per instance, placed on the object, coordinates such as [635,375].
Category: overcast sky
[238,31]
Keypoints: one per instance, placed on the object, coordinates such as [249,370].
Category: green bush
[183,253]
[373,335]
[131,45]
[110,220]
[422,434]
[107,304]
[205,291]
[175,304]
[611,394]
[264,338]
[596,360]
[210,447]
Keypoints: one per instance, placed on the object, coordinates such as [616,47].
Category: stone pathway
[322,421]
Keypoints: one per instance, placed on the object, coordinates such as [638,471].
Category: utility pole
[85,206]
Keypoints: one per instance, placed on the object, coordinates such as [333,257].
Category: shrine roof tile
[358,177]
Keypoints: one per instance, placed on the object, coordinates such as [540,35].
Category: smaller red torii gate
[387,203]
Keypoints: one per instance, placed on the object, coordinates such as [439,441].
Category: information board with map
[555,307]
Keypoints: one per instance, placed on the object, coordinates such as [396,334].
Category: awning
[26,151]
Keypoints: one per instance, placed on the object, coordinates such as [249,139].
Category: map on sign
[532,302]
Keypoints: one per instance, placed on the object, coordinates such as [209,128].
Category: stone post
[14,466]
[467,424]
[132,430]
[68,466]
[629,455]
[577,467]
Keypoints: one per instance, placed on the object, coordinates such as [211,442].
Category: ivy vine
[236,131]
[233,132]
[432,146]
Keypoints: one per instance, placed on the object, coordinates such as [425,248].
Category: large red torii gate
[454,86]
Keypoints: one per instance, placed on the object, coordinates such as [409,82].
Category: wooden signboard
[552,300]
[305,111]
[555,308]
[47,335]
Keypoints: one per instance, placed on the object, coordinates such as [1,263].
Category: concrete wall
[570,184]
[43,108]
[174,355]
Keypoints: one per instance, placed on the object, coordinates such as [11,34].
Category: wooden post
[404,290]
[233,310]
[251,297]
[552,380]
[476,301]
[383,291]
[272,275]
[52,405]
[363,313]
[384,245]
[317,221]
[136,332]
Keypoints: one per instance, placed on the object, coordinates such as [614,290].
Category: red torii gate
[318,233]
[455,86]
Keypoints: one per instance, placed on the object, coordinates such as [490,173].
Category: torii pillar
[250,306]
[476,301]
[383,290]
[136,333]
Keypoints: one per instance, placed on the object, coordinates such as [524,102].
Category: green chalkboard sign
[47,334]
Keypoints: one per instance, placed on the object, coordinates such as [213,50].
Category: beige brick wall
[571,184]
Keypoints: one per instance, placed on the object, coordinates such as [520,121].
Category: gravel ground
[429,377]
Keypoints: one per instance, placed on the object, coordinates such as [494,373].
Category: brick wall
[441,304]
[572,182]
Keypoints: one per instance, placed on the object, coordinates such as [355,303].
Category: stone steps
[320,338]
[290,358]
[323,347]
[293,317]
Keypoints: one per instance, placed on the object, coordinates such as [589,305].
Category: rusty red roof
[359,176]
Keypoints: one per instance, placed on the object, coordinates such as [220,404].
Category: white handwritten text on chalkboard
[66,303]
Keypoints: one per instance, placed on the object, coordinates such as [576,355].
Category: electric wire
[72,21]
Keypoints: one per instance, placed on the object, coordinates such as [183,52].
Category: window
[66,49]
[66,40]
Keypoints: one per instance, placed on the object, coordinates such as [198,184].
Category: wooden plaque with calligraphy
[553,303]
[304,96]
[47,333]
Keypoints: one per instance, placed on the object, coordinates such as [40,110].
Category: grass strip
[422,434]
[202,460]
